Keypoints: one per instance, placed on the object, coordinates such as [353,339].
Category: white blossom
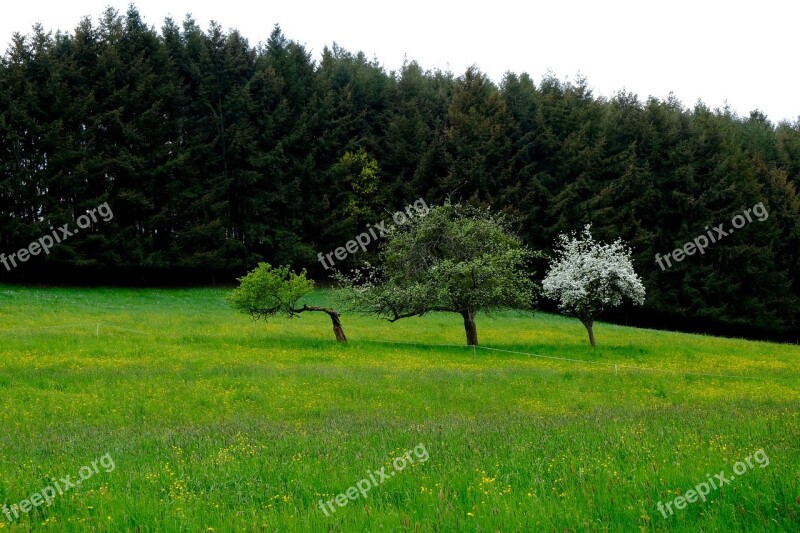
[587,277]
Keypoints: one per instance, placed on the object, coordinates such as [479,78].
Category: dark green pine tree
[282,188]
[478,141]
[413,142]
[531,195]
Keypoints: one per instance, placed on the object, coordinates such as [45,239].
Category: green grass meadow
[217,423]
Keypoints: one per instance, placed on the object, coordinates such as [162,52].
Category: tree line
[216,154]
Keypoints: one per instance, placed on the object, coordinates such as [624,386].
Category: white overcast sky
[745,53]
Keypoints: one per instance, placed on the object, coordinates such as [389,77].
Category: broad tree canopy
[458,259]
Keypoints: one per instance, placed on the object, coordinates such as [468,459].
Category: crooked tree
[269,291]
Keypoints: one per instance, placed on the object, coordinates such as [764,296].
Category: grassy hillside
[216,423]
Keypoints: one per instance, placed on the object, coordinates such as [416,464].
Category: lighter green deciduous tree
[267,292]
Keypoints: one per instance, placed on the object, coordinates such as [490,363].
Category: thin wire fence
[95,325]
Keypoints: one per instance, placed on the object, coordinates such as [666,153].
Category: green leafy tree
[275,291]
[455,259]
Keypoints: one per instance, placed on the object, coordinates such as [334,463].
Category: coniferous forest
[215,154]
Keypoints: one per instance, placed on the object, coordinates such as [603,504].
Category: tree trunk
[589,324]
[337,327]
[470,328]
[337,324]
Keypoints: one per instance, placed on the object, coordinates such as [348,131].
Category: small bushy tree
[457,259]
[269,291]
[587,277]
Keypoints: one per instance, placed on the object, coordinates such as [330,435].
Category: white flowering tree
[587,277]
